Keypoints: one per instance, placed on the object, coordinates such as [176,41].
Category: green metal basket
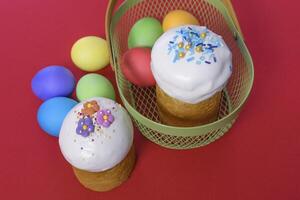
[218,16]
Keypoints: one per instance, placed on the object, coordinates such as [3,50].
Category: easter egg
[136,67]
[52,113]
[90,53]
[53,81]
[144,33]
[177,18]
[94,85]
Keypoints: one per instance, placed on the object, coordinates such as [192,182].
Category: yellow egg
[177,18]
[90,53]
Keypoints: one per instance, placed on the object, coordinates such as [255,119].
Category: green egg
[144,33]
[94,85]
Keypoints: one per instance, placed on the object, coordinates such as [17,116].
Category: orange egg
[177,18]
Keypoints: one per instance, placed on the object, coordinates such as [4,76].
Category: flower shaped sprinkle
[89,108]
[105,118]
[85,127]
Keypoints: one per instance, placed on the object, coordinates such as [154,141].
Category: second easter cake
[191,66]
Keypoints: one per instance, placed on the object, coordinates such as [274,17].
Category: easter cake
[96,138]
[191,66]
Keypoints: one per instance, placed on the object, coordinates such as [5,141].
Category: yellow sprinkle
[203,35]
[199,49]
[89,105]
[84,127]
[180,45]
[187,47]
[181,54]
[105,117]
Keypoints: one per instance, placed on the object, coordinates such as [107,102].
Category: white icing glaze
[102,149]
[190,82]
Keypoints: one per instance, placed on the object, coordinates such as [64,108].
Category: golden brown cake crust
[177,113]
[109,179]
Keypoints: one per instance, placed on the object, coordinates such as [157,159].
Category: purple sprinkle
[215,59]
[190,28]
[105,122]
[171,42]
[207,62]
[85,132]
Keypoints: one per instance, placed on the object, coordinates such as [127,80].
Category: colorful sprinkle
[105,118]
[180,45]
[191,59]
[90,108]
[187,47]
[181,55]
[190,40]
[85,127]
[199,49]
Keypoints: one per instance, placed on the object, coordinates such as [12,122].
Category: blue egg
[52,113]
[53,81]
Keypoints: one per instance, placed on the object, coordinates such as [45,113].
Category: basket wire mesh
[141,102]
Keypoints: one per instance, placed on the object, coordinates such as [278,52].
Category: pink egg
[135,66]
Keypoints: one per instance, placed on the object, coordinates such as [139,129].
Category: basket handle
[111,6]
[230,9]
[108,16]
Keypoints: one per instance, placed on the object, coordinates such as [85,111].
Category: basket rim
[197,130]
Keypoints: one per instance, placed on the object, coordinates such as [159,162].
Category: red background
[258,159]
